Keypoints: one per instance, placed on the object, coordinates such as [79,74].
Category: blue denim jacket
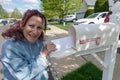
[22,61]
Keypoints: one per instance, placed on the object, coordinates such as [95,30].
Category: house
[89,4]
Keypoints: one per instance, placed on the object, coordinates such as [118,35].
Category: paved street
[64,65]
[1,40]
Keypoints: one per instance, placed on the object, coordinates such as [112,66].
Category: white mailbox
[93,36]
[86,38]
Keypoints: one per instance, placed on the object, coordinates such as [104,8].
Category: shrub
[88,12]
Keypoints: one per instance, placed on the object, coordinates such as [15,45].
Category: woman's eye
[32,26]
[39,28]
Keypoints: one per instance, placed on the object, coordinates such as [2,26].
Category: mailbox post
[110,56]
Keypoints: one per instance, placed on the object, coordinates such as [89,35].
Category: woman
[24,53]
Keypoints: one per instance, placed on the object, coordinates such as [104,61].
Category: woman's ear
[21,24]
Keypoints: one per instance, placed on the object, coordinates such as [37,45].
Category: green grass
[86,72]
[57,24]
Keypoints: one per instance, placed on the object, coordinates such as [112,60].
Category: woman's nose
[35,30]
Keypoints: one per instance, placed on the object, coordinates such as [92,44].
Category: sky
[21,5]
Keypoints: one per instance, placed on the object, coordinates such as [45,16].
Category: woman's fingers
[51,47]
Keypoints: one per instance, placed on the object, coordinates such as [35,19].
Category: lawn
[57,24]
[87,71]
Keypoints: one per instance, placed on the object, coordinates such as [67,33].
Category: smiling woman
[24,52]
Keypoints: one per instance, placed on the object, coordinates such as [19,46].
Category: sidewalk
[67,64]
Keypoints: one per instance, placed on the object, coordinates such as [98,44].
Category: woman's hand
[49,47]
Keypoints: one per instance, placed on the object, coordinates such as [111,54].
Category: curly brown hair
[16,31]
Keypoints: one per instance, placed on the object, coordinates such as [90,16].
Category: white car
[69,18]
[92,19]
[1,20]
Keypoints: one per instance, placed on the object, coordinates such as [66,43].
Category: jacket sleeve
[19,67]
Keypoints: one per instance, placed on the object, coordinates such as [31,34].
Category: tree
[101,5]
[60,8]
[48,9]
[3,12]
[16,13]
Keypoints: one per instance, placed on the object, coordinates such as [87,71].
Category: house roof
[92,2]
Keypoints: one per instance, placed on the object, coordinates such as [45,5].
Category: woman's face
[33,29]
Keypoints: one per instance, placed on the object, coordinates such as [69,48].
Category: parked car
[4,22]
[92,19]
[69,18]
[1,20]
[11,20]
